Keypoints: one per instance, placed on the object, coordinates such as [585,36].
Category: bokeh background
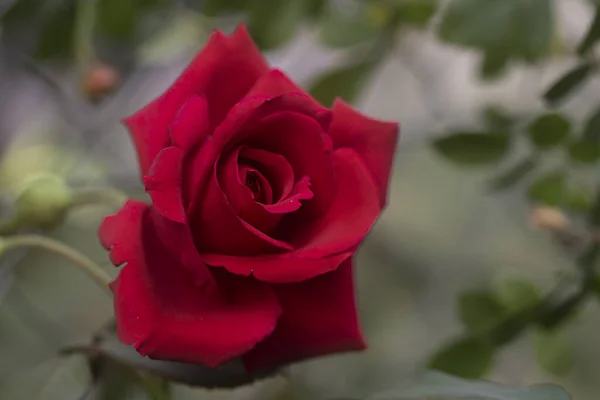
[70,70]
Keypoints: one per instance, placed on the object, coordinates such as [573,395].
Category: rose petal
[163,184]
[223,73]
[241,120]
[375,141]
[349,218]
[218,229]
[274,167]
[299,138]
[192,124]
[165,316]
[291,203]
[321,323]
[275,83]
[284,268]
[266,191]
[239,196]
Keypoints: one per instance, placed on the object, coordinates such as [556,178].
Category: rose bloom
[260,198]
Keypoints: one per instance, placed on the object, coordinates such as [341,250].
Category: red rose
[260,197]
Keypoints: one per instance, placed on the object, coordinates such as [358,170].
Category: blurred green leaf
[568,83]
[579,200]
[592,36]
[415,12]
[591,130]
[438,386]
[493,64]
[56,37]
[550,189]
[503,29]
[272,24]
[469,148]
[229,375]
[478,23]
[339,30]
[213,8]
[514,174]
[466,358]
[552,352]
[585,152]
[497,119]
[69,379]
[121,19]
[517,294]
[480,310]
[314,8]
[535,29]
[549,130]
[345,82]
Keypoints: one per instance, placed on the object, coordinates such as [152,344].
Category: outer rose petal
[319,317]
[164,315]
[223,73]
[163,184]
[275,83]
[349,218]
[192,125]
[374,140]
[286,268]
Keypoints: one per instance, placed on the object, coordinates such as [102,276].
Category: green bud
[44,201]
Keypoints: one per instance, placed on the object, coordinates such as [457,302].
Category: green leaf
[480,310]
[579,200]
[467,358]
[552,352]
[213,8]
[478,23]
[229,375]
[415,13]
[474,149]
[584,151]
[345,82]
[122,19]
[438,386]
[513,174]
[549,130]
[592,36]
[339,30]
[591,132]
[314,8]
[535,25]
[69,379]
[517,295]
[568,84]
[549,189]
[497,119]
[494,64]
[522,29]
[56,36]
[274,23]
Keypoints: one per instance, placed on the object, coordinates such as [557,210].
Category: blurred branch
[78,259]
[84,36]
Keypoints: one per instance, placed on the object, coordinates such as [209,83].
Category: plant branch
[78,259]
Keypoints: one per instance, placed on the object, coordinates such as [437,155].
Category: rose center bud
[254,186]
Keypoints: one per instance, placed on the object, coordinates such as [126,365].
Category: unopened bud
[549,218]
[100,80]
[43,201]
